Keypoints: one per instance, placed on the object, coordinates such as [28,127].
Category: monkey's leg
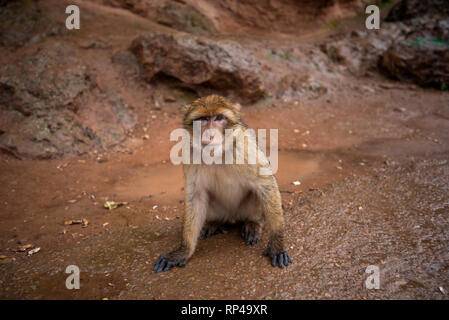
[211,228]
[195,215]
[274,217]
[251,232]
[252,217]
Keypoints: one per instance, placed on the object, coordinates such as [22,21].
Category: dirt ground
[374,172]
[374,185]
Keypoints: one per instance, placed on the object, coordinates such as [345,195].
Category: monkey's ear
[185,107]
[237,107]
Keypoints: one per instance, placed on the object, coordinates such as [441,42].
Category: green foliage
[333,24]
[185,95]
[279,54]
[286,55]
[24,4]
[422,42]
[383,3]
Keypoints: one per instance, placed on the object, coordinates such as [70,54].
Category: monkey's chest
[226,190]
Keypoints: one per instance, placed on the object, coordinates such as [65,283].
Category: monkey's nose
[213,139]
[206,141]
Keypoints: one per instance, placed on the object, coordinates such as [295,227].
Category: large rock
[410,9]
[241,17]
[50,105]
[202,64]
[359,51]
[422,58]
[174,14]
[23,22]
[184,18]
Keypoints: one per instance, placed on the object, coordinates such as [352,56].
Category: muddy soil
[374,185]
[372,159]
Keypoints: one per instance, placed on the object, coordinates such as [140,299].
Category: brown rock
[184,17]
[359,52]
[22,22]
[422,58]
[49,106]
[178,15]
[206,65]
[409,9]
[240,17]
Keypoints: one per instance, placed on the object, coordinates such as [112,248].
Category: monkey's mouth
[214,149]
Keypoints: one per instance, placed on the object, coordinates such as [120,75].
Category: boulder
[359,52]
[184,18]
[240,17]
[23,22]
[422,58]
[410,9]
[171,13]
[50,105]
[204,65]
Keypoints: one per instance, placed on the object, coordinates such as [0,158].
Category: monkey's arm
[274,217]
[194,217]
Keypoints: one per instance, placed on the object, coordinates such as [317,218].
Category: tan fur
[228,192]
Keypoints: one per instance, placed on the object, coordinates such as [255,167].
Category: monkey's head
[215,114]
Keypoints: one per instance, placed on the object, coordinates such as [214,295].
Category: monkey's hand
[167,261]
[281,258]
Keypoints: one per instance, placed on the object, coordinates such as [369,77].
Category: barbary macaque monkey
[227,193]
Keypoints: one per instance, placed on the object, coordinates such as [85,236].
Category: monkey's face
[212,129]
[215,114]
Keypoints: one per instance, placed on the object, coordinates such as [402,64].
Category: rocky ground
[85,118]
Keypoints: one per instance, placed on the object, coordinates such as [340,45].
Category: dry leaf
[35,250]
[113,205]
[24,247]
[70,222]
[82,221]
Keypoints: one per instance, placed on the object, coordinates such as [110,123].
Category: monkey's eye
[205,118]
[219,117]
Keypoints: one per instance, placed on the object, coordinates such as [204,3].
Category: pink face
[212,129]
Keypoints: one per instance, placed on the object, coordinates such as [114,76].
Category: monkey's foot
[251,233]
[282,259]
[167,261]
[212,228]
